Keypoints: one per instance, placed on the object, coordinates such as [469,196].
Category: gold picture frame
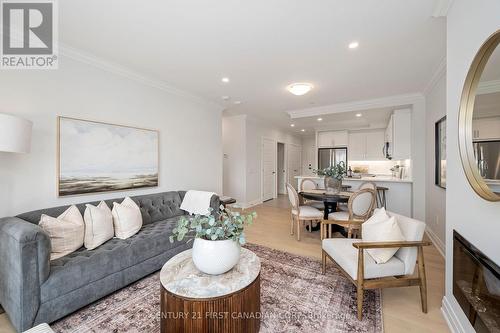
[73,182]
[465,135]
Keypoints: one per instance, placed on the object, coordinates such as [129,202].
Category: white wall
[190,131]
[309,155]
[234,139]
[256,130]
[469,24]
[435,199]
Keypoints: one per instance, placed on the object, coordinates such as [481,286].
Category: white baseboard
[451,317]
[438,243]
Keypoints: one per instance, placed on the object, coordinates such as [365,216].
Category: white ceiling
[262,46]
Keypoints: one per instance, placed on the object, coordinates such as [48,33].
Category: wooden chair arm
[381,245]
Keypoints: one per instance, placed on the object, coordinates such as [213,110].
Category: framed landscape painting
[99,157]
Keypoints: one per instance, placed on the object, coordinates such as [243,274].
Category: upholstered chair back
[308,184]
[293,196]
[413,230]
[362,203]
[369,185]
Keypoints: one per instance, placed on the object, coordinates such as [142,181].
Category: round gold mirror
[479,121]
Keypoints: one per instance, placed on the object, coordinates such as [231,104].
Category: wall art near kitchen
[98,157]
[440,173]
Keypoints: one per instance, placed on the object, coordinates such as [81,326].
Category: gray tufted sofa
[35,290]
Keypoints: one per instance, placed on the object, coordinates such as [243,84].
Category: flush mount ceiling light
[299,89]
[319,119]
[358,115]
[225,79]
[353,45]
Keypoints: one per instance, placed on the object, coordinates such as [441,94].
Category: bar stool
[381,198]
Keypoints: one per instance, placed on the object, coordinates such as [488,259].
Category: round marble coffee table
[192,301]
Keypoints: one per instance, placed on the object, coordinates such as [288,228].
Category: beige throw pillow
[127,218]
[381,228]
[98,225]
[65,232]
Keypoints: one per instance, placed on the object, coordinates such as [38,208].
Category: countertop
[387,179]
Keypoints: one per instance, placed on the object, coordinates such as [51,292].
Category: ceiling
[262,46]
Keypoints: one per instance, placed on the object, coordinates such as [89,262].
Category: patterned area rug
[295,297]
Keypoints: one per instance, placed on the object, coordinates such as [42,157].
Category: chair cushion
[346,256]
[308,212]
[339,216]
[84,267]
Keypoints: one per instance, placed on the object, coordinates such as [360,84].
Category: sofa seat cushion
[346,256]
[83,267]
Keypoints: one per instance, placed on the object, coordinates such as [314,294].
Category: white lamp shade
[15,134]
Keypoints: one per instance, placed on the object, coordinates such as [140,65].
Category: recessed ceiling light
[237,102]
[353,45]
[358,115]
[319,119]
[299,89]
[292,125]
[302,130]
[225,79]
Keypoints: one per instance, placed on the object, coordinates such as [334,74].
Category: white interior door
[268,169]
[294,164]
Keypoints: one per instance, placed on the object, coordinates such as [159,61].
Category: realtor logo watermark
[28,34]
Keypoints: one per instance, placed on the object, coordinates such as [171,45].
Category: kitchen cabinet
[486,128]
[332,139]
[366,145]
[398,135]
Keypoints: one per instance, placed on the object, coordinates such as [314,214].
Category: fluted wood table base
[236,312]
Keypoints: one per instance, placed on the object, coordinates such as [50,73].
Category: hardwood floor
[401,306]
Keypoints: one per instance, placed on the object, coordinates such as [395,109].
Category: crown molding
[488,87]
[377,103]
[438,74]
[442,8]
[117,69]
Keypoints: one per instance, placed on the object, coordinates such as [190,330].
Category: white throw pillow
[381,230]
[98,225]
[65,232]
[127,218]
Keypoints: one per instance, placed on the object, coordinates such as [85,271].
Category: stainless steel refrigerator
[331,156]
[487,155]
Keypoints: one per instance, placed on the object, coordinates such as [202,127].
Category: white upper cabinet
[486,128]
[398,134]
[366,145]
[331,139]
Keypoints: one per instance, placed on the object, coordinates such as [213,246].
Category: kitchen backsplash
[379,167]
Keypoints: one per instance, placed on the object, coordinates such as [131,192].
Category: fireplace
[476,285]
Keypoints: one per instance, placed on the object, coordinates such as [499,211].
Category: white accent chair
[310,184]
[360,268]
[359,208]
[301,214]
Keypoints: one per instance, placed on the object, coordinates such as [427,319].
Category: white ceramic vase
[215,257]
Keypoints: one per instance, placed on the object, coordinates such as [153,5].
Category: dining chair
[360,268]
[310,184]
[360,207]
[301,213]
[363,185]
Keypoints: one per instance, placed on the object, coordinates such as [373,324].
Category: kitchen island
[399,197]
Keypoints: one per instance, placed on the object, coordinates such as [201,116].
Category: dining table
[329,199]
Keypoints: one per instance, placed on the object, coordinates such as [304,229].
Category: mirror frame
[465,116]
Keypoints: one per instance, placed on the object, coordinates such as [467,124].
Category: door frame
[287,149]
[275,156]
[285,165]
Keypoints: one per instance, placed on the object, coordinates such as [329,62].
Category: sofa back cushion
[154,207]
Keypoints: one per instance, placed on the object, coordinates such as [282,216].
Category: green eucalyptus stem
[337,171]
[227,225]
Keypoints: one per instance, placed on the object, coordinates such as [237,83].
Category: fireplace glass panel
[476,285]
